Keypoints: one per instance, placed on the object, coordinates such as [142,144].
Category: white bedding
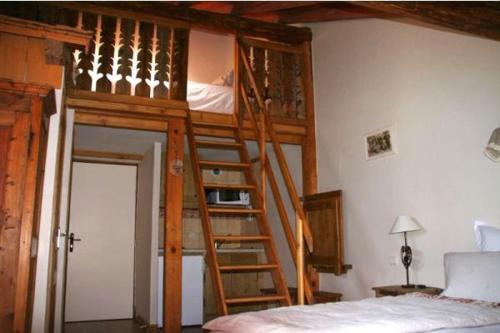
[210,97]
[402,314]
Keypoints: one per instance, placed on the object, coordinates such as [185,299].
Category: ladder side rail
[292,191]
[285,222]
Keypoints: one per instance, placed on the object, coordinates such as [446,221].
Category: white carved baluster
[170,54]
[134,67]
[151,82]
[267,98]
[76,62]
[252,59]
[114,77]
[94,72]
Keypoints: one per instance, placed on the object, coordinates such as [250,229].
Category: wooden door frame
[174,129]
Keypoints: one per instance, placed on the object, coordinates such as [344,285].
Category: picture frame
[380,143]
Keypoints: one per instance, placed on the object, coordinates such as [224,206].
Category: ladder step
[255,299]
[214,125]
[218,144]
[224,165]
[257,238]
[251,268]
[230,186]
[234,211]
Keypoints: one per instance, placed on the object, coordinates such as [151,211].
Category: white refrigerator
[192,290]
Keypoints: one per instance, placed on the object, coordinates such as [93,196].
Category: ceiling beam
[477,18]
[259,7]
[326,12]
[221,7]
[216,21]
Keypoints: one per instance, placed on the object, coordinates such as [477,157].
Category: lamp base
[408,286]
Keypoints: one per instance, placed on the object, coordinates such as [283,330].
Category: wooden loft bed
[134,75]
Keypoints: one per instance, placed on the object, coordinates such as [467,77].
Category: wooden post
[172,269]
[262,153]
[309,162]
[300,260]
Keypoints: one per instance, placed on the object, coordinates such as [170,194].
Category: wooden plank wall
[29,65]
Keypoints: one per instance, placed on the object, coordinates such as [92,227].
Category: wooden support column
[309,162]
[172,269]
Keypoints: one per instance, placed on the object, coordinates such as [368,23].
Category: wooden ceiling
[286,11]
[480,18]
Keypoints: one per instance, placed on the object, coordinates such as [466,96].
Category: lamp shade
[493,148]
[404,223]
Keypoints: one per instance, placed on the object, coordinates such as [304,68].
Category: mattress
[410,313]
[483,329]
[210,97]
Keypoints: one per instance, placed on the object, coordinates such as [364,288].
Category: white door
[146,235]
[99,282]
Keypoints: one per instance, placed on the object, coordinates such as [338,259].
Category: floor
[114,326]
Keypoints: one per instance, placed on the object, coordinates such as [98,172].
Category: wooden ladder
[257,209]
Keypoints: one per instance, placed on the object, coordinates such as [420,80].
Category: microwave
[227,197]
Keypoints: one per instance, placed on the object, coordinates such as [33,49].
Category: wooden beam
[309,159]
[477,18]
[326,12]
[86,117]
[221,7]
[113,12]
[280,47]
[219,22]
[123,105]
[106,155]
[259,7]
[46,31]
[172,270]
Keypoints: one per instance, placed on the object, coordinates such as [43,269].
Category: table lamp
[404,224]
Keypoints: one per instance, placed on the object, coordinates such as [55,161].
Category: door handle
[72,241]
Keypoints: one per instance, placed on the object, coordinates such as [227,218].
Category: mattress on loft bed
[210,97]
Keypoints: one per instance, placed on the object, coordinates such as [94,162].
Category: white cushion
[226,79]
[474,275]
[487,237]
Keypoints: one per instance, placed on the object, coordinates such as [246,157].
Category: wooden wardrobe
[24,112]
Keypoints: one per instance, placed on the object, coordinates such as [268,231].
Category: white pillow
[226,79]
[487,237]
[474,275]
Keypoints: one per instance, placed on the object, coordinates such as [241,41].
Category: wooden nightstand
[398,290]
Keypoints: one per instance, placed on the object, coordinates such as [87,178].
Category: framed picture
[380,143]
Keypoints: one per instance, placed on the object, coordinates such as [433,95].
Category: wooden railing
[278,77]
[130,54]
[258,110]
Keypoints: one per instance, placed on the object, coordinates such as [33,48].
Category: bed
[469,304]
[210,97]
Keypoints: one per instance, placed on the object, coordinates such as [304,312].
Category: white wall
[146,236]
[441,90]
[210,55]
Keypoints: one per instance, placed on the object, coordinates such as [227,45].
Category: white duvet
[210,97]
[402,314]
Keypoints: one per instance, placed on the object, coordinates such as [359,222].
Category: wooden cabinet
[24,111]
[235,284]
[324,214]
[398,290]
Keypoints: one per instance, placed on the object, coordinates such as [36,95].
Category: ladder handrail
[285,222]
[292,191]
